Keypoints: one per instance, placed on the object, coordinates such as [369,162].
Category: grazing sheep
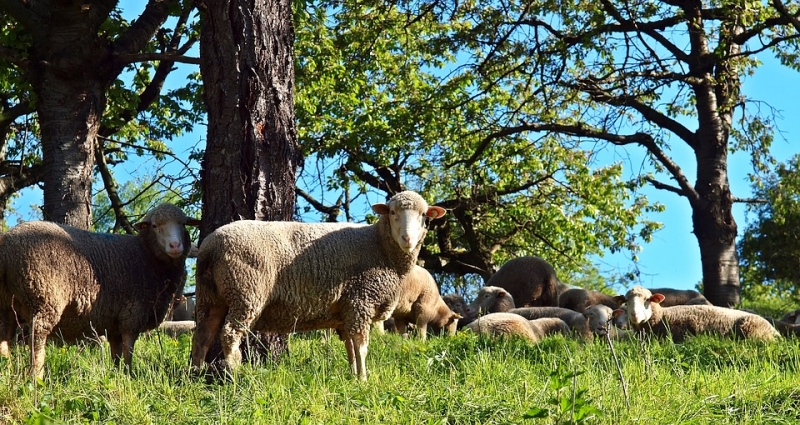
[457,303]
[579,299]
[490,299]
[600,318]
[419,303]
[576,321]
[175,328]
[531,281]
[514,325]
[74,283]
[287,276]
[645,313]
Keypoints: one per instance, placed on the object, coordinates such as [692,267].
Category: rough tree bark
[251,157]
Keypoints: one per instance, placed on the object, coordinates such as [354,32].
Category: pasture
[464,379]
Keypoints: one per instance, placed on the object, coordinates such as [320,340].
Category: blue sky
[672,259]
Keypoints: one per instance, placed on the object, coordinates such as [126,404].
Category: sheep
[792,317]
[645,313]
[175,328]
[576,321]
[531,281]
[580,299]
[457,303]
[788,329]
[182,309]
[673,297]
[490,299]
[514,325]
[600,318]
[74,283]
[419,303]
[288,276]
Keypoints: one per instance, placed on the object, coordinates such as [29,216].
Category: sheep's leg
[128,341]
[401,325]
[351,353]
[360,342]
[40,329]
[7,327]
[422,327]
[237,324]
[115,342]
[209,323]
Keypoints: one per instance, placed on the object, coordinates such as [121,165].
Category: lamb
[287,276]
[490,299]
[457,303]
[420,303]
[576,321]
[580,299]
[531,281]
[74,283]
[645,313]
[514,325]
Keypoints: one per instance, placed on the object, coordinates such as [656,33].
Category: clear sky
[672,259]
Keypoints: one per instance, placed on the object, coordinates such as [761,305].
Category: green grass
[460,380]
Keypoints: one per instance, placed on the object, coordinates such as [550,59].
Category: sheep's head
[638,304]
[407,212]
[599,317]
[490,299]
[456,303]
[167,222]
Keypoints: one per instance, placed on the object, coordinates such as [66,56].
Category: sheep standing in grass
[419,303]
[286,276]
[576,321]
[531,281]
[645,313]
[514,325]
[74,283]
[490,299]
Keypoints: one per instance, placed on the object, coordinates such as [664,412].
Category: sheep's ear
[619,299]
[435,212]
[618,312]
[381,209]
[457,316]
[192,222]
[657,298]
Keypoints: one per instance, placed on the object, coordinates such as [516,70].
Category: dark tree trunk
[251,155]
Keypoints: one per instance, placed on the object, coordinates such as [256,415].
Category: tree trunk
[71,76]
[250,162]
[251,154]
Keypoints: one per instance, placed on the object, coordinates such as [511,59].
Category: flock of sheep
[284,277]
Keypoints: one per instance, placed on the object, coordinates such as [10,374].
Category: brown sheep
[673,297]
[490,299]
[514,325]
[644,312]
[74,283]
[458,305]
[531,281]
[792,317]
[419,303]
[576,321]
[579,299]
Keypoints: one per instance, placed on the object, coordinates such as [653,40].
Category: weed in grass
[569,402]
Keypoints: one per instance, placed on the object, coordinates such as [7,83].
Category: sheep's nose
[175,244]
[407,238]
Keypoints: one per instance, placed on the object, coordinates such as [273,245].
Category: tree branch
[331,212]
[21,13]
[111,188]
[136,37]
[146,57]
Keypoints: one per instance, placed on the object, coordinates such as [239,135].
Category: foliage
[770,247]
[464,379]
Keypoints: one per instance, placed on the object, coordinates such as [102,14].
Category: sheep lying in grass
[531,281]
[514,325]
[792,317]
[286,276]
[601,322]
[579,299]
[673,297]
[419,303]
[74,283]
[176,328]
[490,299]
[645,313]
[577,322]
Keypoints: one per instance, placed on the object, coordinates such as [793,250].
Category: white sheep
[514,325]
[175,328]
[420,304]
[673,297]
[288,276]
[601,320]
[645,313]
[74,283]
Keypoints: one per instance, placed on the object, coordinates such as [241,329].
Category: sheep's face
[490,299]
[638,305]
[456,303]
[167,222]
[599,317]
[407,212]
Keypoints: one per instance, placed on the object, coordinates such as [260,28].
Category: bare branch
[136,37]
[146,57]
[332,212]
[111,188]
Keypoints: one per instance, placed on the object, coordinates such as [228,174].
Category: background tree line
[500,112]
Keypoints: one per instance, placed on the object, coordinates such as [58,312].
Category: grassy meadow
[464,379]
